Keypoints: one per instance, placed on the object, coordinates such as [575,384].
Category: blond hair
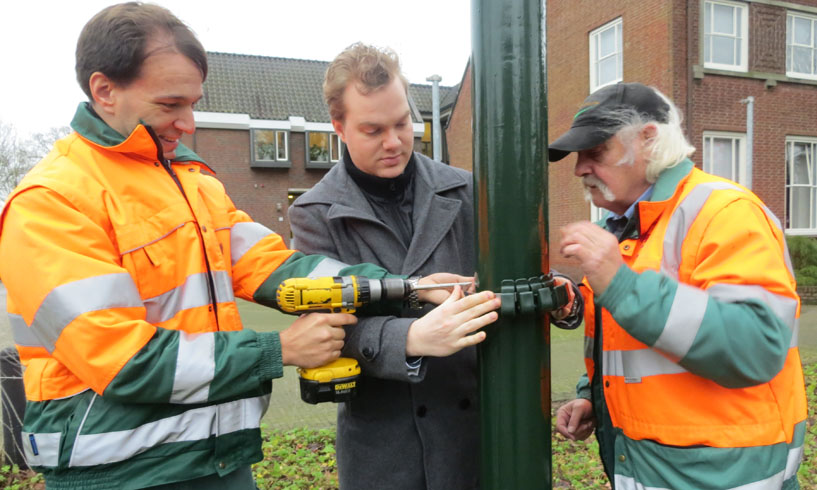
[370,67]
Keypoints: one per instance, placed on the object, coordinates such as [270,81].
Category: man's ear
[103,92]
[338,125]
[649,131]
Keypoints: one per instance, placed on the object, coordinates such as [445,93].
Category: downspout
[436,140]
[750,129]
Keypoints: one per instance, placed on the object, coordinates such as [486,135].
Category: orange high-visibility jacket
[699,335]
[122,272]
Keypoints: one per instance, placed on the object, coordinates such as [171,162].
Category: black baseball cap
[592,125]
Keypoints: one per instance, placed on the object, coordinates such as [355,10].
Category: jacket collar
[141,141]
[665,188]
[338,190]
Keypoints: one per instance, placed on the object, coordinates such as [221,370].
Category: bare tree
[17,156]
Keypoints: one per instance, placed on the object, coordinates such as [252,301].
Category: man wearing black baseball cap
[693,371]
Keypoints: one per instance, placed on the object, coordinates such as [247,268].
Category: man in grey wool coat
[414,423]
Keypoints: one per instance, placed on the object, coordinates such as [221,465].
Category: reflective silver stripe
[48,448]
[774,482]
[195,368]
[636,364]
[192,294]
[795,333]
[771,216]
[784,307]
[22,334]
[327,267]
[68,301]
[683,322]
[152,241]
[629,483]
[588,347]
[793,462]
[243,236]
[682,218]
[193,425]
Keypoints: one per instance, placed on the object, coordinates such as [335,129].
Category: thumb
[455,295]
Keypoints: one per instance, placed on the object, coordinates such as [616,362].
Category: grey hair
[667,148]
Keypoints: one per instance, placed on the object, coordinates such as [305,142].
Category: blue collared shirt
[617,222]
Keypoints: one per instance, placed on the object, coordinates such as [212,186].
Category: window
[270,148]
[725,155]
[323,149]
[605,55]
[426,146]
[726,35]
[801,184]
[801,46]
[597,213]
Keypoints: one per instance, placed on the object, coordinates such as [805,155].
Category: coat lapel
[433,214]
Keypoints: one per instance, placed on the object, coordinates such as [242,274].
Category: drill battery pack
[334,382]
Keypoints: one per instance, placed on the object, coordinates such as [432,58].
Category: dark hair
[113,42]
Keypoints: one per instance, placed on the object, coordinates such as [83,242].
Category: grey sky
[38,89]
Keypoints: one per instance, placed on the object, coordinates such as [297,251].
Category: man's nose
[391,139]
[186,122]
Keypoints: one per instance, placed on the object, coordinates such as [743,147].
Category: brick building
[263,127]
[711,57]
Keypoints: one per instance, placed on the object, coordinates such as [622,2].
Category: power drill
[337,381]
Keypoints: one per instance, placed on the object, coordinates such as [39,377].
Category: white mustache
[593,181]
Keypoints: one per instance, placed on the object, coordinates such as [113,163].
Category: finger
[477,323]
[474,300]
[470,340]
[455,295]
[339,319]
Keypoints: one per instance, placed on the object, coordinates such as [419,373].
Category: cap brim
[576,139]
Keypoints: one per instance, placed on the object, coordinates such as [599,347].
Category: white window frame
[596,213]
[334,142]
[276,161]
[594,39]
[743,35]
[790,45]
[811,231]
[739,141]
[333,139]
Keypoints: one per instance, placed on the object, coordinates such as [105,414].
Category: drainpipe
[750,129]
[436,140]
[510,207]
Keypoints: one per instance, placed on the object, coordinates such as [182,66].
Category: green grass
[299,438]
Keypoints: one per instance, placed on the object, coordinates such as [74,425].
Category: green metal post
[510,139]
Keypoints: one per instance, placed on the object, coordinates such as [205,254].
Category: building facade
[263,127]
[743,73]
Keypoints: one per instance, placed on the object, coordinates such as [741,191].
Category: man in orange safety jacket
[123,256]
[693,373]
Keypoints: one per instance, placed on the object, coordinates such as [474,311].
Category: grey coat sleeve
[377,343]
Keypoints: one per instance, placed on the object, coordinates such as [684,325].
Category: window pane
[800,168]
[264,144]
[722,19]
[789,33]
[607,41]
[802,31]
[318,147]
[801,204]
[608,70]
[335,141]
[722,157]
[723,50]
[282,145]
[801,60]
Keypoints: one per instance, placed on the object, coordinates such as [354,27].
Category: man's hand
[596,249]
[562,312]
[437,296]
[449,327]
[314,339]
[575,419]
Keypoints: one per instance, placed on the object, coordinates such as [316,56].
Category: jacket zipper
[211,287]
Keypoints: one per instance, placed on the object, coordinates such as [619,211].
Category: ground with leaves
[304,459]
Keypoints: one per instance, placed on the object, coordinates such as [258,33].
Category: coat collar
[140,142]
[665,188]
